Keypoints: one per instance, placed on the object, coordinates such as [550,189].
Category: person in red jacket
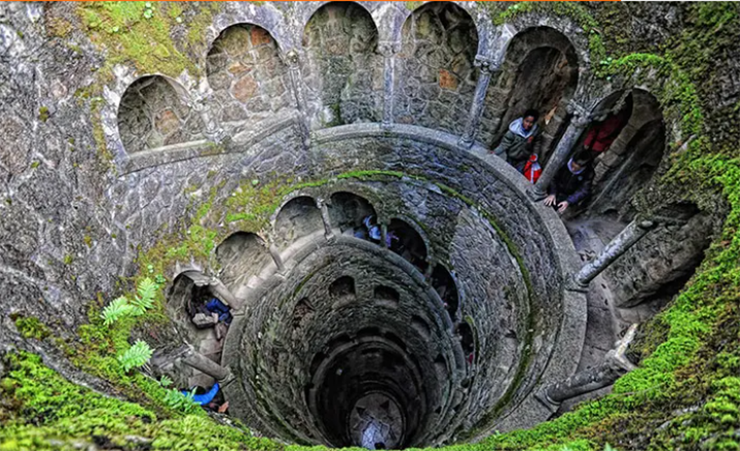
[601,135]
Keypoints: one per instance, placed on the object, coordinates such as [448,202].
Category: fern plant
[123,307]
[179,401]
[146,291]
[135,356]
[165,381]
[116,310]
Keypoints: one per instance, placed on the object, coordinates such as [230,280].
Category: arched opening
[241,256]
[193,303]
[408,243]
[248,79]
[629,160]
[152,114]
[302,314]
[342,287]
[445,286]
[436,75]
[297,218]
[343,72]
[386,296]
[347,211]
[540,72]
[467,341]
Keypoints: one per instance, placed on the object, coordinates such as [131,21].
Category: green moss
[57,26]
[52,413]
[132,33]
[68,259]
[412,5]
[31,327]
[88,240]
[43,114]
[576,12]
[35,164]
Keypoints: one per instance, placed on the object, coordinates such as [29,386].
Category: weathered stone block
[244,88]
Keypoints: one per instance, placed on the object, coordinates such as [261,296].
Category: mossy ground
[684,395]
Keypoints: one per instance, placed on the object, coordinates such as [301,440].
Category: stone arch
[467,339]
[387,296]
[342,287]
[445,286]
[242,256]
[342,70]
[347,211]
[540,71]
[633,156]
[265,16]
[249,80]
[436,75]
[299,217]
[302,314]
[408,243]
[153,113]
[186,297]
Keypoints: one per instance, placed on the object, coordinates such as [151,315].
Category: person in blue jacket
[204,398]
[218,307]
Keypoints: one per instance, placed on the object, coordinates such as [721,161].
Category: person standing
[519,141]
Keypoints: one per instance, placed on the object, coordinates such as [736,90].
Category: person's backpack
[532,169]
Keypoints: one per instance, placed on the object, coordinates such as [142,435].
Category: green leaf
[146,290]
[136,356]
[117,309]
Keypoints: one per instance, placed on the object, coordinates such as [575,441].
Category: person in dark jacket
[572,183]
[519,141]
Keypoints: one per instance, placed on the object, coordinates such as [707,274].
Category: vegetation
[135,356]
[59,415]
[684,395]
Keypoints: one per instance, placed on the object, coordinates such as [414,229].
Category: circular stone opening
[402,342]
[376,422]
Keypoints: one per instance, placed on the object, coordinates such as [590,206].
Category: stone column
[213,130]
[207,366]
[275,254]
[618,246]
[219,290]
[384,235]
[428,272]
[578,122]
[487,67]
[615,364]
[388,50]
[296,81]
[328,232]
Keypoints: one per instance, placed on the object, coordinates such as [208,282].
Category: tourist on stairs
[572,183]
[519,141]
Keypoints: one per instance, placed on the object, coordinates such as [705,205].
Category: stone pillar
[384,235]
[213,130]
[296,81]
[487,68]
[615,364]
[578,122]
[328,232]
[428,272]
[275,254]
[207,366]
[219,290]
[388,50]
[618,246]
